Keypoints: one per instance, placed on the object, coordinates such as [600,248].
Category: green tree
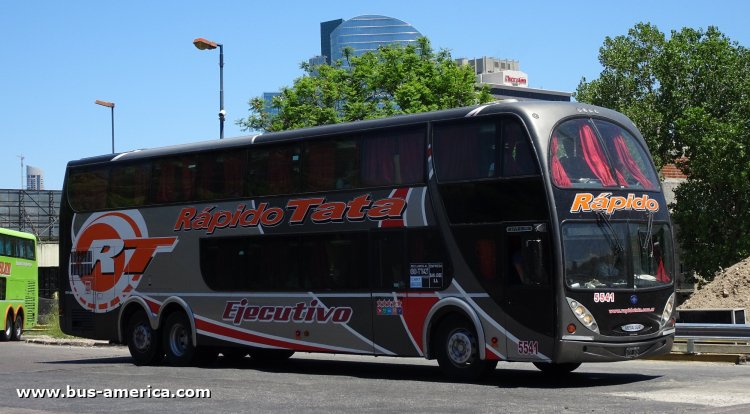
[690,96]
[394,80]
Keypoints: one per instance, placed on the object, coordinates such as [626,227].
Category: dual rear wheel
[13,328]
[173,343]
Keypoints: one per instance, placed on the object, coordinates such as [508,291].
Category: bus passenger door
[527,296]
[389,289]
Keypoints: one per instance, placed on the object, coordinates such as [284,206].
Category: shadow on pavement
[502,377]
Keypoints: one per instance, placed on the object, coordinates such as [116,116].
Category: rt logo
[110,253]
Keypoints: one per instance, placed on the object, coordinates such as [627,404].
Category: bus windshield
[594,153]
[602,255]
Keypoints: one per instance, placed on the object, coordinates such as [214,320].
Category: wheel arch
[442,309]
[131,306]
[177,304]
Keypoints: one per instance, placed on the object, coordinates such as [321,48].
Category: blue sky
[58,57]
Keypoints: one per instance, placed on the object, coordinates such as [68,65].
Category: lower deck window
[355,261]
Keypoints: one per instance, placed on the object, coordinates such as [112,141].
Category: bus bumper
[589,351]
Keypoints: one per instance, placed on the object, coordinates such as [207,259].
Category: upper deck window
[484,148]
[596,153]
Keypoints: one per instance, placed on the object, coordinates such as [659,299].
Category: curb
[726,358]
[81,342]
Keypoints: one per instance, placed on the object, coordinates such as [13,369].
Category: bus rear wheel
[144,343]
[6,333]
[178,342]
[557,369]
[17,328]
[458,350]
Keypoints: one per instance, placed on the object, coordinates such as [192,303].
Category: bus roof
[525,109]
[17,233]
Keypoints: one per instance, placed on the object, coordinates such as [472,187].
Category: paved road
[348,384]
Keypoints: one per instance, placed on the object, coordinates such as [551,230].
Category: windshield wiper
[614,241]
[647,242]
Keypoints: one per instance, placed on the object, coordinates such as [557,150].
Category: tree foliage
[394,80]
[690,96]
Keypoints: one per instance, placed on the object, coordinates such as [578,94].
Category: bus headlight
[583,315]
[668,308]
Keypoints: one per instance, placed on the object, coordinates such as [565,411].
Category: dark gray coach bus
[517,231]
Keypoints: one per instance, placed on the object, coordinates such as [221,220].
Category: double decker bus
[19,294]
[516,231]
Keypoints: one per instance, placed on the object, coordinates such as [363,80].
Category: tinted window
[2,287]
[393,157]
[220,175]
[331,164]
[308,262]
[87,188]
[485,148]
[429,267]
[274,170]
[389,261]
[465,150]
[129,185]
[518,156]
[173,179]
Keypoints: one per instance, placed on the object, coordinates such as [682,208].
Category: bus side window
[518,157]
[388,256]
[2,287]
[429,267]
[393,157]
[88,189]
[465,151]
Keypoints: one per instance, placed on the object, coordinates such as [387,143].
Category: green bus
[19,291]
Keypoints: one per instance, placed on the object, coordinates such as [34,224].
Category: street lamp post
[110,105]
[203,44]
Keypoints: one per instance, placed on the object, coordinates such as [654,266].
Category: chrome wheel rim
[460,348]
[178,340]
[142,337]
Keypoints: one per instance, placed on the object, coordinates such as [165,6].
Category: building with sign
[506,80]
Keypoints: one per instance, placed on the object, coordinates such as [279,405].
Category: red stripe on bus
[397,193]
[490,354]
[415,313]
[245,336]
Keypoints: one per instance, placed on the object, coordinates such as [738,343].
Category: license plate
[632,352]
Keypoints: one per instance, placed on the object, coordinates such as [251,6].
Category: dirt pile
[729,289]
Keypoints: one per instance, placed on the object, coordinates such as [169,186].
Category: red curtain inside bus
[559,176]
[626,160]
[392,160]
[594,156]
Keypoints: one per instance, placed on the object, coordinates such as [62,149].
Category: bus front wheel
[458,350]
[17,328]
[143,341]
[178,343]
[6,333]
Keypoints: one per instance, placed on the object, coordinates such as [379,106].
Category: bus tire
[17,328]
[178,344]
[270,355]
[557,369]
[143,341]
[6,333]
[457,350]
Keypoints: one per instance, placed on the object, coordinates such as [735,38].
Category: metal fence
[36,212]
